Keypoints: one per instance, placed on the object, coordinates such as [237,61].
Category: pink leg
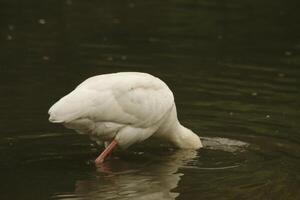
[106,152]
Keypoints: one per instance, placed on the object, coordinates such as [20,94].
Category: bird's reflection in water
[153,180]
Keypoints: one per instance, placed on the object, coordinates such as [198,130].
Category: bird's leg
[100,159]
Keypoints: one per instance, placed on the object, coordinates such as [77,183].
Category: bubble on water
[268,116]
[116,21]
[42,21]
[46,58]
[139,153]
[281,74]
[11,27]
[231,113]
[254,93]
[131,5]
[90,162]
[69,2]
[281,12]
[92,145]
[152,39]
[288,53]
[9,37]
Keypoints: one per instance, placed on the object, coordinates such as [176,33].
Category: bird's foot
[101,158]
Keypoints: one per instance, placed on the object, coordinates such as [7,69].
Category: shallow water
[234,70]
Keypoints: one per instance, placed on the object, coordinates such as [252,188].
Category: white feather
[128,106]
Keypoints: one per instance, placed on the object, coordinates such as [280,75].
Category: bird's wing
[146,104]
[132,103]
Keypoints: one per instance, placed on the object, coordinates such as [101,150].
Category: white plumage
[128,107]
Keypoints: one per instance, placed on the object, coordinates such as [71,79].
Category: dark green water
[234,69]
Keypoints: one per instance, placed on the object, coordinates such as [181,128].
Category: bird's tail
[70,107]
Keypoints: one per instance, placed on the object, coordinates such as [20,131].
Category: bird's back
[127,99]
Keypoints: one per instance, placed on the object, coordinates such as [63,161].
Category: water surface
[234,70]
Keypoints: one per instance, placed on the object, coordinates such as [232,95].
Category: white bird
[124,108]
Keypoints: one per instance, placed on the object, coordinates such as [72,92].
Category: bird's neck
[177,134]
[184,138]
